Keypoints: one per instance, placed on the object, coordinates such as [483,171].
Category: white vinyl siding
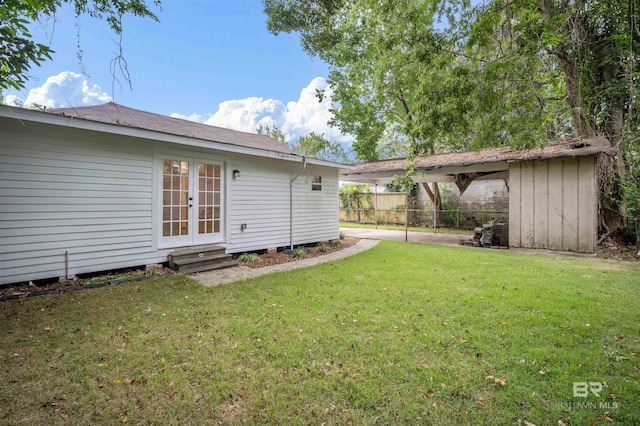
[91,195]
[72,191]
[315,215]
[260,198]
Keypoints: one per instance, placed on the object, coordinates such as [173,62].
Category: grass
[402,228]
[401,334]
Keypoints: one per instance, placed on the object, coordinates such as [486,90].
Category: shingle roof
[558,149]
[113,113]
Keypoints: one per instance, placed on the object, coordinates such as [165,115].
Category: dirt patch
[269,259]
[31,289]
[617,251]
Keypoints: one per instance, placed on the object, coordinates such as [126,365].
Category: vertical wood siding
[553,204]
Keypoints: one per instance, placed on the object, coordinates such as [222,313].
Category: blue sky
[209,61]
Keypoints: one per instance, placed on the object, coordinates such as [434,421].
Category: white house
[103,187]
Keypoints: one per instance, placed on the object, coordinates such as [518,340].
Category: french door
[191,202]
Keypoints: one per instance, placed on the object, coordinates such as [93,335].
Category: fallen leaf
[543,372]
[124,418]
[605,418]
[480,401]
[499,381]
[620,338]
[560,423]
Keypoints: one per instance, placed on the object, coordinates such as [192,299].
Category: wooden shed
[553,191]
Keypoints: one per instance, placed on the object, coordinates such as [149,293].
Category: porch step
[200,258]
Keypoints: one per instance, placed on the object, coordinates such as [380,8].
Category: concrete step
[201,267]
[200,258]
[196,251]
[213,258]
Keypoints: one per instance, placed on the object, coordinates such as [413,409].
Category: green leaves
[19,52]
[450,75]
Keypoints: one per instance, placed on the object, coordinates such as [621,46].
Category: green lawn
[402,228]
[401,334]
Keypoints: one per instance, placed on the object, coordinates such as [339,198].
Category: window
[316,183]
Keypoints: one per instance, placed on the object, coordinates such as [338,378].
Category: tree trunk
[436,200]
[580,121]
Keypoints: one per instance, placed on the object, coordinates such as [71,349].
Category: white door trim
[192,237]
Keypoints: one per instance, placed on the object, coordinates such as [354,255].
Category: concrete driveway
[443,239]
[412,236]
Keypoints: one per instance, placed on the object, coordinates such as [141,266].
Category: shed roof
[469,160]
[113,113]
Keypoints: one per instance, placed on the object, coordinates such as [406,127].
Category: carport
[553,191]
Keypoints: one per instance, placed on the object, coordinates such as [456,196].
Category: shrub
[336,243]
[322,248]
[299,252]
[248,257]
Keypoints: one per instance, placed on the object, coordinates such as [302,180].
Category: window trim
[316,185]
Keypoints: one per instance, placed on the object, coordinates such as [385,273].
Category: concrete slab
[443,239]
[412,236]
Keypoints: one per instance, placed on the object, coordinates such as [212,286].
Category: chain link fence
[423,218]
[633,229]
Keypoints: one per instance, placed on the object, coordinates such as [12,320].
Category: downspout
[304,166]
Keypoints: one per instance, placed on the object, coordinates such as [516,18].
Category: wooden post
[375,205]
[435,213]
[406,217]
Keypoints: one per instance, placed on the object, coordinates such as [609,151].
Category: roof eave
[23,114]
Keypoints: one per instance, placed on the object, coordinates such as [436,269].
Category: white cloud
[309,115]
[193,117]
[246,114]
[296,119]
[66,89]
[12,100]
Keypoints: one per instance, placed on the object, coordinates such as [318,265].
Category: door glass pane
[209,176]
[175,198]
